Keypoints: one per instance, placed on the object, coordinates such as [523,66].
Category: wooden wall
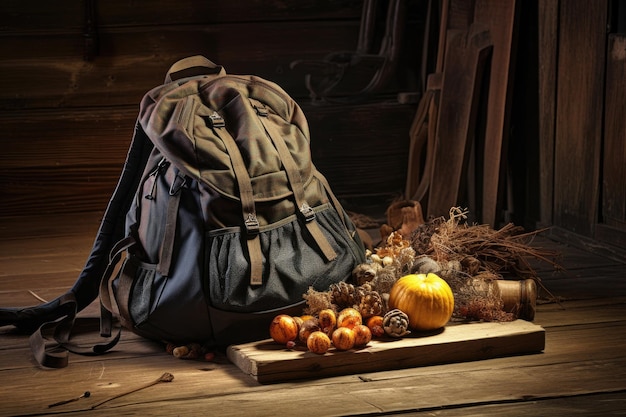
[582,79]
[579,96]
[66,121]
[71,82]
[613,165]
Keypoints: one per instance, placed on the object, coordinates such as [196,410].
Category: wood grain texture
[67,122]
[132,61]
[43,46]
[584,336]
[269,362]
[581,62]
[614,166]
[548,18]
[121,13]
[467,55]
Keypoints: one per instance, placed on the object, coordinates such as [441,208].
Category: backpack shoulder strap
[295,180]
[55,355]
[58,317]
[246,196]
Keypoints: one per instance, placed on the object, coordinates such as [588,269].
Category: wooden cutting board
[269,362]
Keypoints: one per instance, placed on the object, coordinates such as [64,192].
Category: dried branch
[166,377]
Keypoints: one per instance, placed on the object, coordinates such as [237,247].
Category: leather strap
[338,207]
[55,355]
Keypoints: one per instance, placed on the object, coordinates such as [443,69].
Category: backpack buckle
[307,212]
[260,111]
[179,182]
[216,120]
[252,224]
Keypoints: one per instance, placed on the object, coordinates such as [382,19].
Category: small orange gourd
[318,342]
[327,321]
[284,328]
[349,317]
[375,324]
[426,298]
[343,338]
[362,335]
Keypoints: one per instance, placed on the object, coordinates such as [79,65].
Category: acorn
[308,326]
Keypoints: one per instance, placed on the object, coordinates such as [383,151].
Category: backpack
[227,221]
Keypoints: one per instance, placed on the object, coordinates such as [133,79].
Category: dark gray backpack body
[231,223]
[219,221]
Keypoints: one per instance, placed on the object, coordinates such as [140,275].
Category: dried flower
[316,301]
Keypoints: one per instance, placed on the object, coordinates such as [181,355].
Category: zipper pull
[161,166]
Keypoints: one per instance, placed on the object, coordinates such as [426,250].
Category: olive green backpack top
[228,224]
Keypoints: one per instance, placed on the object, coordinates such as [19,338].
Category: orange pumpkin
[426,298]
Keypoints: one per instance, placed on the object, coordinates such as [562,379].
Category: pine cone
[371,305]
[344,295]
[370,301]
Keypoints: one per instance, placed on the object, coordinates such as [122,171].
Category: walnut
[396,323]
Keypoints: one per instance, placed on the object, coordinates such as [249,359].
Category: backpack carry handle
[193,66]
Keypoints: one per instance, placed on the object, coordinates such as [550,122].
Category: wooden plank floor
[582,370]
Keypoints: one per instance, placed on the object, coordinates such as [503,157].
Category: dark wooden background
[581,129]
[66,122]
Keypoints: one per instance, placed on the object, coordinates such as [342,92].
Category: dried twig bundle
[506,250]
[474,257]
